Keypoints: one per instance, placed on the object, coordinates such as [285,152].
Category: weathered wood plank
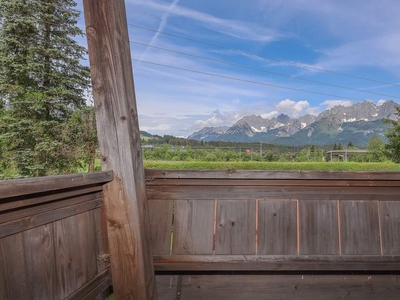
[102,249]
[40,265]
[93,288]
[390,220]
[47,217]
[236,226]
[273,182]
[288,287]
[167,287]
[38,209]
[270,192]
[161,225]
[13,281]
[360,232]
[14,188]
[19,202]
[319,232]
[277,227]
[193,227]
[120,148]
[152,174]
[277,263]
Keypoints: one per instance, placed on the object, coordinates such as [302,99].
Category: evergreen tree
[42,83]
[393,135]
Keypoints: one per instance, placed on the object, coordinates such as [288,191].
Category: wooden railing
[208,222]
[53,242]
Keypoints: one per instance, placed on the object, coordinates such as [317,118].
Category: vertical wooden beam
[120,147]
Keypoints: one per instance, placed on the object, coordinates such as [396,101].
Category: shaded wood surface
[235,226]
[390,222]
[277,227]
[319,231]
[152,174]
[120,148]
[360,227]
[288,287]
[14,188]
[193,227]
[49,248]
[276,263]
[161,225]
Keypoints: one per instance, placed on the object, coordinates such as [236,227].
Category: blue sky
[360,38]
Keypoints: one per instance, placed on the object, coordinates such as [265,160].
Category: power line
[245,80]
[261,70]
[264,57]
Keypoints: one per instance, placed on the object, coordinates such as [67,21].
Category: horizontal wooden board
[273,182]
[268,192]
[152,174]
[275,263]
[47,217]
[22,201]
[289,287]
[93,288]
[14,188]
[44,207]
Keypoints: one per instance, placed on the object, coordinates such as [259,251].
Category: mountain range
[340,124]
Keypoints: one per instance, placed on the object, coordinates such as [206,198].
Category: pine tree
[42,83]
[393,135]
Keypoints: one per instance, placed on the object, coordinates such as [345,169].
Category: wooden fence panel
[390,222]
[319,231]
[360,232]
[235,232]
[52,243]
[277,227]
[160,214]
[193,227]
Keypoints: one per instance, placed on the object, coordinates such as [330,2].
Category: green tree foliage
[376,150]
[393,135]
[42,84]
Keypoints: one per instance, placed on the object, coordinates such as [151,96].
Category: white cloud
[293,108]
[270,114]
[380,102]
[218,118]
[162,25]
[160,127]
[235,28]
[333,103]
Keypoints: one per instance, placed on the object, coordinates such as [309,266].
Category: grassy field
[273,166]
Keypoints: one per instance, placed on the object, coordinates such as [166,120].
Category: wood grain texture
[235,232]
[161,225]
[102,248]
[193,227]
[28,200]
[272,182]
[20,187]
[277,227]
[120,148]
[13,281]
[360,227]
[288,287]
[277,263]
[177,192]
[93,288]
[40,265]
[167,287]
[152,174]
[46,217]
[319,231]
[75,252]
[46,207]
[390,220]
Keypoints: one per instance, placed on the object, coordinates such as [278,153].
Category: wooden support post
[119,138]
